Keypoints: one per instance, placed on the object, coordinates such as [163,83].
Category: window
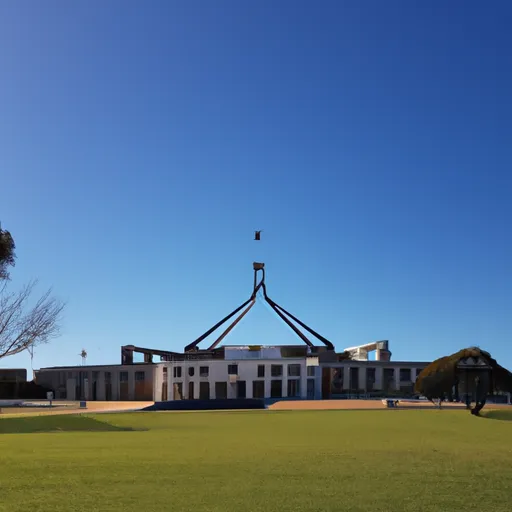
[337,380]
[191,371]
[95,375]
[294,388]
[233,369]
[261,372]
[294,370]
[177,372]
[165,371]
[204,371]
[204,390]
[276,370]
[405,374]
[388,379]
[311,371]
[258,389]
[276,388]
[370,374]
[354,379]
[311,389]
[221,390]
[108,376]
[123,376]
[241,389]
[140,376]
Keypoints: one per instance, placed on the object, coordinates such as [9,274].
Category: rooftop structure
[360,353]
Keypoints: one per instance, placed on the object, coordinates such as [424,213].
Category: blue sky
[142,143]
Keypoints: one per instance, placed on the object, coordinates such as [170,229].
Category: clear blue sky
[141,143]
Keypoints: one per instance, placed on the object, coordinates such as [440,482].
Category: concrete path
[64,407]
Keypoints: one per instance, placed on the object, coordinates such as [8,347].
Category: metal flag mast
[192,350]
[259,272]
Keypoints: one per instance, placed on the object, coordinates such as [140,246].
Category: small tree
[23,326]
[7,254]
[443,377]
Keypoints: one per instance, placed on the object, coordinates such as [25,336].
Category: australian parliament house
[311,370]
[285,371]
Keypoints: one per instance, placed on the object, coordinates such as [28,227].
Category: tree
[471,371]
[7,254]
[23,325]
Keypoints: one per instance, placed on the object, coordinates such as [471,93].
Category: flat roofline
[263,346]
[409,362]
[85,367]
[300,358]
[378,363]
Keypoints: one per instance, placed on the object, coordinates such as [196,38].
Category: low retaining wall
[207,405]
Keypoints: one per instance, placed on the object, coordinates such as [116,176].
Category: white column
[157,393]
[379,373]
[71,389]
[172,380]
[156,374]
[362,378]
[115,385]
[303,381]
[248,388]
[397,378]
[267,382]
[131,384]
[100,386]
[346,378]
[86,392]
[170,395]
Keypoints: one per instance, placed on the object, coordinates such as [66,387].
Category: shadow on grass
[57,423]
[498,414]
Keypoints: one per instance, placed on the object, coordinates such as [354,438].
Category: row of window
[221,389]
[405,373]
[276,370]
[139,376]
[123,376]
[204,371]
[388,373]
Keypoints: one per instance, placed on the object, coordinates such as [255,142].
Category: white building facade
[242,372]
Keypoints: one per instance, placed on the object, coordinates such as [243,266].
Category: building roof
[92,366]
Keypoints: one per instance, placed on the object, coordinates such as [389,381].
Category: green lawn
[258,461]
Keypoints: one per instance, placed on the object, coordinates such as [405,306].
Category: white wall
[218,372]
[247,371]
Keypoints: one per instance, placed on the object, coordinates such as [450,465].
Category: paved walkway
[288,405]
[63,407]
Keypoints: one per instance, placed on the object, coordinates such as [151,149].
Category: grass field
[258,461]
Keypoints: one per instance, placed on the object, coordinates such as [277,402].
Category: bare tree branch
[23,326]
